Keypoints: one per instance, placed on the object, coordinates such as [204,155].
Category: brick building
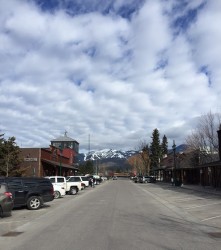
[59,159]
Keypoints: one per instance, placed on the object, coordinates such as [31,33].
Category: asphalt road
[118,215]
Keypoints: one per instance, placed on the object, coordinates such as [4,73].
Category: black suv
[32,192]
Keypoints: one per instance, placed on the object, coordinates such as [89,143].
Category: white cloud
[114,78]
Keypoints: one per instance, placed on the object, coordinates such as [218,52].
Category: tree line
[202,142]
[150,155]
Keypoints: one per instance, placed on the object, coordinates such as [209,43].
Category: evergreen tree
[9,157]
[164,146]
[87,168]
[155,149]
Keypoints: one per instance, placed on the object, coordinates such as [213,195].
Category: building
[190,167]
[59,159]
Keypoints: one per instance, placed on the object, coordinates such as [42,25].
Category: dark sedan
[6,201]
[149,179]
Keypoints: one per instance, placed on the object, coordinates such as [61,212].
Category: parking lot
[21,216]
[203,207]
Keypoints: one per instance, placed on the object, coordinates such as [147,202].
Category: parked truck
[72,184]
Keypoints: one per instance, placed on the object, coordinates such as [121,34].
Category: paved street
[120,215]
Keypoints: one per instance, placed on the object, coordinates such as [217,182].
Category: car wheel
[57,194]
[73,190]
[34,203]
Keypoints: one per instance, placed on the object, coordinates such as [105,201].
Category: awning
[55,163]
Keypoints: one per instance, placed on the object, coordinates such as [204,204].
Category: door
[17,190]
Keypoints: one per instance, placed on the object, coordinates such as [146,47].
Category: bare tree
[136,164]
[143,159]
[204,138]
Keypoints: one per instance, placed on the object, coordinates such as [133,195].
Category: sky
[107,72]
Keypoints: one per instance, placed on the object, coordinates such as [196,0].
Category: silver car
[6,201]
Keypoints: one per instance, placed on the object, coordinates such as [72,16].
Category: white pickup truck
[73,184]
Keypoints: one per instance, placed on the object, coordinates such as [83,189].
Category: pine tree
[87,167]
[155,149]
[9,157]
[164,146]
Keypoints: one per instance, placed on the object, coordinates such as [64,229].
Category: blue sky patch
[76,7]
[189,16]
[205,69]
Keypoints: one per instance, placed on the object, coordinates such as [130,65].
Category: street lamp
[174,162]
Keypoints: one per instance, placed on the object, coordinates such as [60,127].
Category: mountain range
[105,154]
[109,159]
[116,159]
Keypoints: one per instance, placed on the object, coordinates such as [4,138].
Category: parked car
[96,178]
[32,192]
[104,178]
[149,179]
[141,179]
[135,179]
[59,184]
[114,177]
[85,181]
[73,184]
[6,201]
[59,191]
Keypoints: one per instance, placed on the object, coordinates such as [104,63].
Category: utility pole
[174,162]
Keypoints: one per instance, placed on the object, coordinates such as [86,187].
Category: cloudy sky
[107,72]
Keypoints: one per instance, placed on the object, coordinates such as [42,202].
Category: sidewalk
[198,188]
[206,189]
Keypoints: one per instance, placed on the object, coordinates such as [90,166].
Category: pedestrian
[92,182]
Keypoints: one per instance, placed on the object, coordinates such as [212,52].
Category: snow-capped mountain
[113,159]
[113,154]
[106,154]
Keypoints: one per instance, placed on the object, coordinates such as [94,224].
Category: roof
[64,138]
[54,163]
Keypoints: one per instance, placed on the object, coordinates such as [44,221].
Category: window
[59,179]
[29,183]
[52,180]
[74,179]
[15,184]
